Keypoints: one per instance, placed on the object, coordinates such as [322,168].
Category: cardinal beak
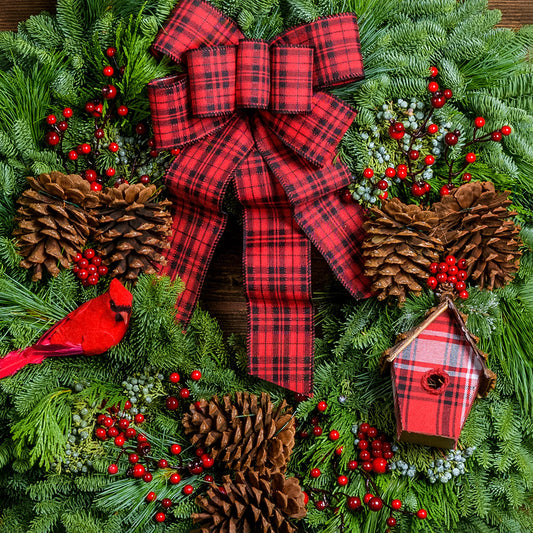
[122,316]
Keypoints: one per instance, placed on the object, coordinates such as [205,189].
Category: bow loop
[253,75]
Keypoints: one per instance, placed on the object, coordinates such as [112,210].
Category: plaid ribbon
[252,111]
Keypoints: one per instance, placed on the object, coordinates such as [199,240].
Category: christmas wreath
[399,143]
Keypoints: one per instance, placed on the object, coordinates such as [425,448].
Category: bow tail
[277,280]
[197,181]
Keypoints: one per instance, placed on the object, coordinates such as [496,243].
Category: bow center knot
[250,75]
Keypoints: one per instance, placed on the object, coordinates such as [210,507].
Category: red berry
[442,277]
[368,173]
[174,377]
[448,93]
[396,133]
[398,127]
[166,503]
[433,72]
[367,466]
[375,504]
[141,129]
[196,375]
[470,157]
[112,432]
[122,110]
[364,427]
[109,92]
[452,280]
[444,190]
[396,504]
[112,469]
[383,195]
[160,517]
[162,463]
[151,496]
[353,503]
[433,87]
[98,110]
[188,489]
[145,179]
[199,452]
[111,51]
[196,469]
[434,268]
[364,455]
[346,195]
[479,122]
[450,260]
[317,431]
[382,185]
[391,521]
[175,478]
[506,130]
[99,133]
[460,286]
[113,147]
[67,112]
[119,441]
[175,449]
[379,465]
[422,514]
[453,270]
[443,267]
[175,151]
[462,275]
[96,187]
[334,434]
[367,497]
[140,437]
[102,270]
[52,138]
[451,139]
[209,479]
[93,279]
[388,455]
[108,70]
[131,432]
[417,190]
[153,153]
[463,295]
[390,172]
[461,263]
[133,458]
[90,175]
[82,274]
[315,472]
[429,160]
[342,481]
[352,465]
[432,129]
[89,107]
[172,403]
[467,176]
[138,470]
[100,419]
[362,444]
[321,505]
[438,101]
[73,155]
[89,253]
[108,421]
[414,154]
[322,406]
[339,450]
[139,418]
[496,136]
[51,119]
[207,461]
[185,393]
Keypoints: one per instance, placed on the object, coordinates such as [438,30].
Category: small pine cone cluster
[399,247]
[133,230]
[54,220]
[245,433]
[474,223]
[252,503]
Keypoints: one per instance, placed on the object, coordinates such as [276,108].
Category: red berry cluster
[172,402]
[451,272]
[55,136]
[88,267]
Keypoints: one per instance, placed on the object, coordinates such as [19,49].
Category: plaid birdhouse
[437,370]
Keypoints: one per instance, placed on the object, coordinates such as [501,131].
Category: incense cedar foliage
[49,64]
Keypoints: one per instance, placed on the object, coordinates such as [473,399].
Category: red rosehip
[112,469]
[429,160]
[479,122]
[368,173]
[67,112]
[432,129]
[396,504]
[122,110]
[342,481]
[52,138]
[422,514]
[172,403]
[506,130]
[151,496]
[470,157]
[175,449]
[108,70]
[315,472]
[175,478]
[433,87]
[196,375]
[334,434]
[496,136]
[353,503]
[160,517]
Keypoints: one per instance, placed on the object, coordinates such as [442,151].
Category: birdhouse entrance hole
[435,381]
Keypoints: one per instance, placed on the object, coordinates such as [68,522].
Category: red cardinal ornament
[91,329]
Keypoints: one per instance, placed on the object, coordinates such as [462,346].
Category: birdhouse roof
[488,378]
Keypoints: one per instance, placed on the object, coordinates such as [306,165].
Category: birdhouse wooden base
[437,371]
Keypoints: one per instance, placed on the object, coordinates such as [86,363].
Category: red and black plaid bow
[251,111]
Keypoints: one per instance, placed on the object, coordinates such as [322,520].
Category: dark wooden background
[223,292]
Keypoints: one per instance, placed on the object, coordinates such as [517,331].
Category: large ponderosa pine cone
[474,224]
[245,433]
[399,247]
[252,503]
[54,221]
[133,230]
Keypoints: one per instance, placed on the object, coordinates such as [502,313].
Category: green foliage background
[54,61]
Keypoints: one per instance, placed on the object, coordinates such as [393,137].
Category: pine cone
[474,224]
[54,221]
[133,230]
[245,433]
[399,248]
[253,503]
